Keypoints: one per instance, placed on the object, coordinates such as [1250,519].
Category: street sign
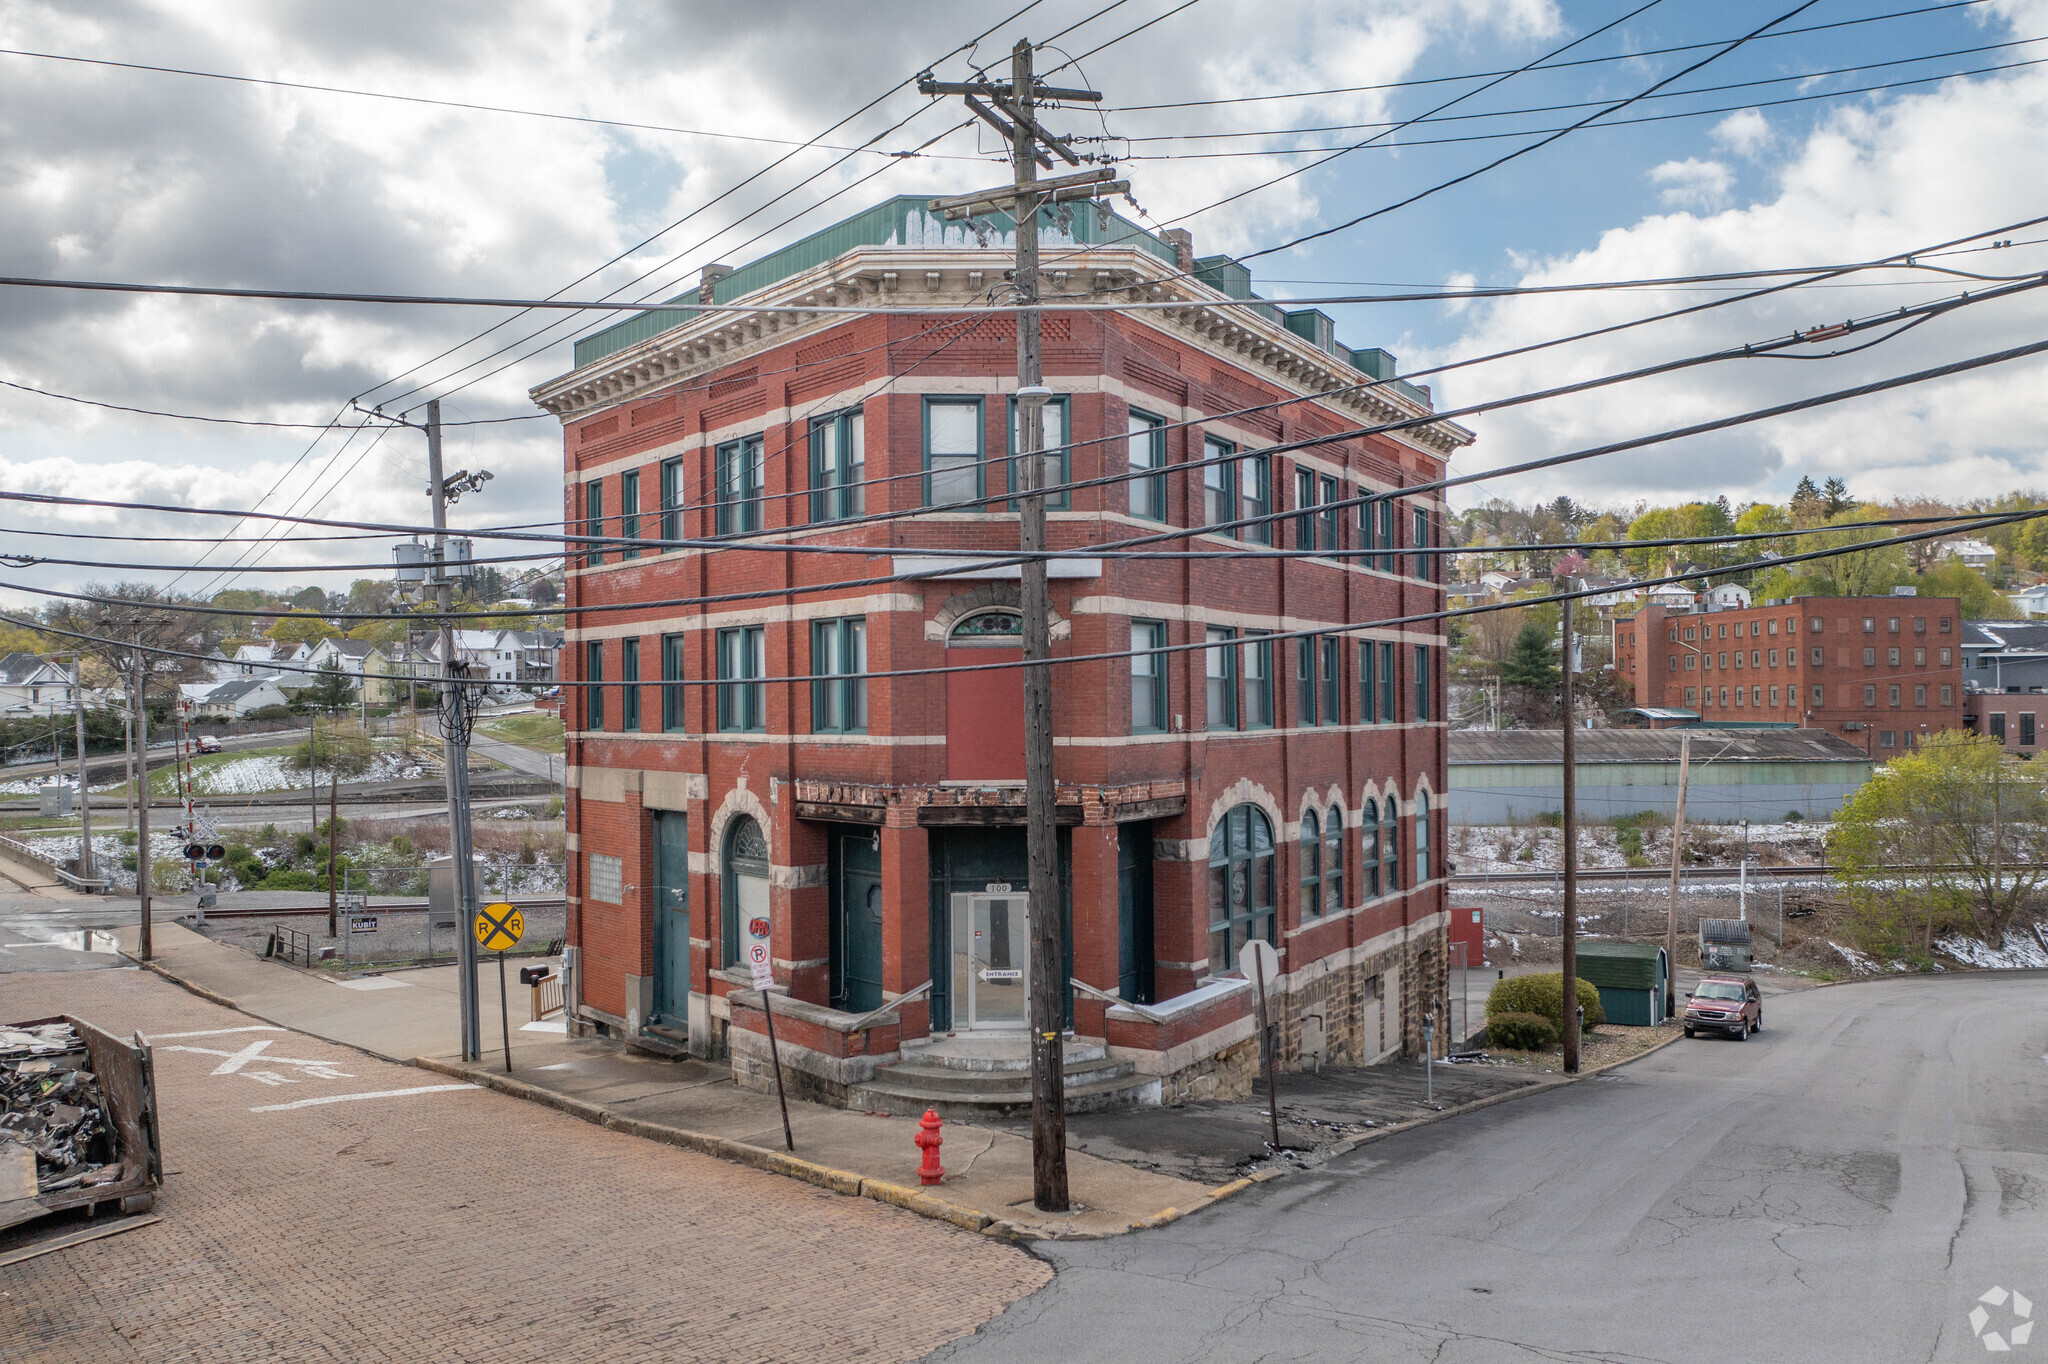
[1261,966]
[499,928]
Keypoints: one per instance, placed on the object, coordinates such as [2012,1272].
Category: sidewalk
[1126,1170]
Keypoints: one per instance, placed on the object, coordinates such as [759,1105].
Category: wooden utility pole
[1011,108]
[1677,851]
[142,870]
[455,717]
[1570,934]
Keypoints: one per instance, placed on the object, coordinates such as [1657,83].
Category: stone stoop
[986,1077]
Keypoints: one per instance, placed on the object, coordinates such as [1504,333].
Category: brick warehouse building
[1882,672]
[872,827]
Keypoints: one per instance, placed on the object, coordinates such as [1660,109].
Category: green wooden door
[672,919]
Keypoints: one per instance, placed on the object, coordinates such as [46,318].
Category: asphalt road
[1844,1186]
[38,934]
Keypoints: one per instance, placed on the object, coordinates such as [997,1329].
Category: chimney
[1183,243]
[708,281]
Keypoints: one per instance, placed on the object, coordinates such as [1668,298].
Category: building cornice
[906,277]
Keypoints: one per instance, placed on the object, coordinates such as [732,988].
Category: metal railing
[290,944]
[1082,987]
[90,885]
[874,1016]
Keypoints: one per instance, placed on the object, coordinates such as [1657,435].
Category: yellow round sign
[499,928]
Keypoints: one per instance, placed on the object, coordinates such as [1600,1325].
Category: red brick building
[868,829]
[1883,672]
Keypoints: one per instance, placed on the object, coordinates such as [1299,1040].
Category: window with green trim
[1311,865]
[838,466]
[1422,682]
[629,513]
[1055,453]
[1368,695]
[1148,451]
[1148,677]
[1258,683]
[1241,885]
[1219,665]
[739,486]
[674,695]
[1216,473]
[1305,690]
[593,693]
[1254,498]
[672,499]
[629,685]
[839,665]
[593,517]
[1389,708]
[1332,709]
[742,697]
[953,469]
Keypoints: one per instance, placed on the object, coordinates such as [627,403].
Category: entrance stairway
[989,1076]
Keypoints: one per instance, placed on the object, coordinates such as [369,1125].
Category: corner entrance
[991,961]
[978,884]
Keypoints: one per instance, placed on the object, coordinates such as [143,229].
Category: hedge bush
[1544,995]
[1521,1032]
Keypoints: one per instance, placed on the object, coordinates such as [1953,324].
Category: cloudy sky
[113,173]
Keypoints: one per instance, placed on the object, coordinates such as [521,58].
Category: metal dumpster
[1724,944]
[55,1154]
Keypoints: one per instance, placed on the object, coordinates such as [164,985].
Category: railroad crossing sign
[499,928]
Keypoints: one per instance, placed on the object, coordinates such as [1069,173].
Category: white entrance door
[991,961]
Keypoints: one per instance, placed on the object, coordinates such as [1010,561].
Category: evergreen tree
[1532,664]
[331,690]
[1837,494]
[1808,507]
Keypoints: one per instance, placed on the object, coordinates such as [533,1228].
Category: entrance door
[1134,912]
[857,926]
[991,961]
[672,919]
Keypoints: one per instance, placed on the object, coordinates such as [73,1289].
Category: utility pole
[1677,847]
[1571,855]
[455,750]
[142,870]
[85,860]
[1010,107]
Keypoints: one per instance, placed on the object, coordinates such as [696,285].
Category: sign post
[498,929]
[763,970]
[1261,964]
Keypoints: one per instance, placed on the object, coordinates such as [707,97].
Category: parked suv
[1725,1004]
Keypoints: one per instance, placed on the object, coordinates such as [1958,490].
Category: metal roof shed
[1630,977]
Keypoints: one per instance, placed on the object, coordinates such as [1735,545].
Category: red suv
[1726,1004]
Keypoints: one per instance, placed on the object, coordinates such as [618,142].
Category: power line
[231,421]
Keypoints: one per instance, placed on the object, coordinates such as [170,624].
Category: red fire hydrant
[929,1171]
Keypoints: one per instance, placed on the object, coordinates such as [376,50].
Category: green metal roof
[1619,965]
[907,221]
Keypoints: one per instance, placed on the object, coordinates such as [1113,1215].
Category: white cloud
[1459,279]
[1744,132]
[1693,183]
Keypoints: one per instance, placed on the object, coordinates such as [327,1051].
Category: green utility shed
[1630,977]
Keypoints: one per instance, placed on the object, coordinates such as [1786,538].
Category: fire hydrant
[929,1171]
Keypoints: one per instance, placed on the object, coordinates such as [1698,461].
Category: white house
[1671,595]
[1974,553]
[233,699]
[1727,596]
[2032,601]
[30,686]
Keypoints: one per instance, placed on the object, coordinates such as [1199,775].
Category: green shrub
[554,808]
[401,845]
[291,880]
[1544,995]
[1521,1032]
[303,845]
[1793,816]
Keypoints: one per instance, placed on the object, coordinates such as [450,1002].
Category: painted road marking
[235,1061]
[214,1032]
[351,1098]
[372,983]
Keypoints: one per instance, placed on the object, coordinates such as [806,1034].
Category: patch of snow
[2021,952]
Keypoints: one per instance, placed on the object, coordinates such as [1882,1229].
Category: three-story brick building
[1238,752]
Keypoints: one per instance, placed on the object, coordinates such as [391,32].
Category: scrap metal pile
[51,1104]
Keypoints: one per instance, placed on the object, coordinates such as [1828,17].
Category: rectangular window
[1887,738]
[607,879]
[1870,658]
[593,695]
[1219,663]
[1919,658]
[1306,525]
[673,711]
[1328,521]
[1819,657]
[1756,696]
[1944,625]
[1819,695]
[1998,726]
[1052,448]
[629,688]
[2026,729]
[1333,678]
[1947,658]
[593,517]
[629,514]
[1422,682]
[1388,713]
[838,466]
[1891,657]
[1368,696]
[1919,625]
[839,665]
[1920,694]
[1148,677]
[1724,696]
[1148,451]
[1216,473]
[742,699]
[1306,694]
[672,499]
[1870,625]
[1948,694]
[739,486]
[1422,541]
[1254,498]
[1813,623]
[1692,695]
[1891,625]
[1892,694]
[1258,683]
[1774,696]
[1386,534]
[1774,658]
[952,451]
[1869,694]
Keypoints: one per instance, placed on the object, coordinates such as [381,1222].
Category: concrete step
[885,1095]
[1008,1052]
[948,1080]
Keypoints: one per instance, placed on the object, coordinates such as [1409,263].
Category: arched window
[1390,845]
[1333,861]
[988,629]
[1311,866]
[1241,885]
[1369,825]
[746,883]
[1421,837]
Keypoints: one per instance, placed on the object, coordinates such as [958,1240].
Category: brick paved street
[459,1225]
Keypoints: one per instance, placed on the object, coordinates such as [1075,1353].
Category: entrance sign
[499,928]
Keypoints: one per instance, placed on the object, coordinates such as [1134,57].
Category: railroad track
[1646,875]
[406,907]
